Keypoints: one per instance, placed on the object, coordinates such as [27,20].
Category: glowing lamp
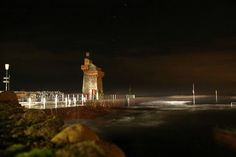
[7,66]
[87,54]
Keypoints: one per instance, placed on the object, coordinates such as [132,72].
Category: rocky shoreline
[30,132]
[77,112]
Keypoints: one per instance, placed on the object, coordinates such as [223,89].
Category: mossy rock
[4,115]
[15,149]
[37,153]
[90,149]
[82,149]
[50,127]
[20,122]
[46,129]
[74,134]
[17,132]
[34,116]
[111,150]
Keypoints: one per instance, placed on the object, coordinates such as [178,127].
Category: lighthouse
[92,79]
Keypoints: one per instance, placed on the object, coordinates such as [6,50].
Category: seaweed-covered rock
[90,149]
[82,149]
[15,149]
[110,149]
[45,152]
[82,141]
[51,127]
[74,134]
[17,132]
[34,116]
[46,129]
[26,133]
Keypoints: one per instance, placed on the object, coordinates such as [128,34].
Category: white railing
[48,100]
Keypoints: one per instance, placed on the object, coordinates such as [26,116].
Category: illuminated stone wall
[92,79]
[89,83]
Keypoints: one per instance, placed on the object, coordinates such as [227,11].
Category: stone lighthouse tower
[92,79]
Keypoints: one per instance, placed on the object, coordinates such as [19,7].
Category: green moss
[36,153]
[15,149]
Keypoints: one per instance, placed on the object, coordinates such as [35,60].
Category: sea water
[166,128]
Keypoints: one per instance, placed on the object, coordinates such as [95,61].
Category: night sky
[156,47]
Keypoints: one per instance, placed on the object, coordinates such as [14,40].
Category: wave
[125,119]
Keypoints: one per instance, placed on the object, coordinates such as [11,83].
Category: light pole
[193,94]
[6,79]
[216,96]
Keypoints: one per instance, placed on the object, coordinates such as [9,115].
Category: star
[125,5]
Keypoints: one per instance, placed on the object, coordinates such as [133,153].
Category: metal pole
[74,100]
[193,95]
[29,101]
[69,101]
[6,85]
[7,78]
[56,101]
[66,101]
[82,99]
[8,88]
[216,96]
[44,103]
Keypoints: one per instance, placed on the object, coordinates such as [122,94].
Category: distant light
[7,66]
[87,54]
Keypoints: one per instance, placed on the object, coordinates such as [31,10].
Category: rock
[9,97]
[90,149]
[111,150]
[82,149]
[20,122]
[15,149]
[74,134]
[83,142]
[45,152]
[9,106]
[34,128]
[17,132]
[4,115]
[50,127]
[46,129]
[34,116]
[16,116]
[225,137]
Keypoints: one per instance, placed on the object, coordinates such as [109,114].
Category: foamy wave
[150,124]
[161,102]
[125,119]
